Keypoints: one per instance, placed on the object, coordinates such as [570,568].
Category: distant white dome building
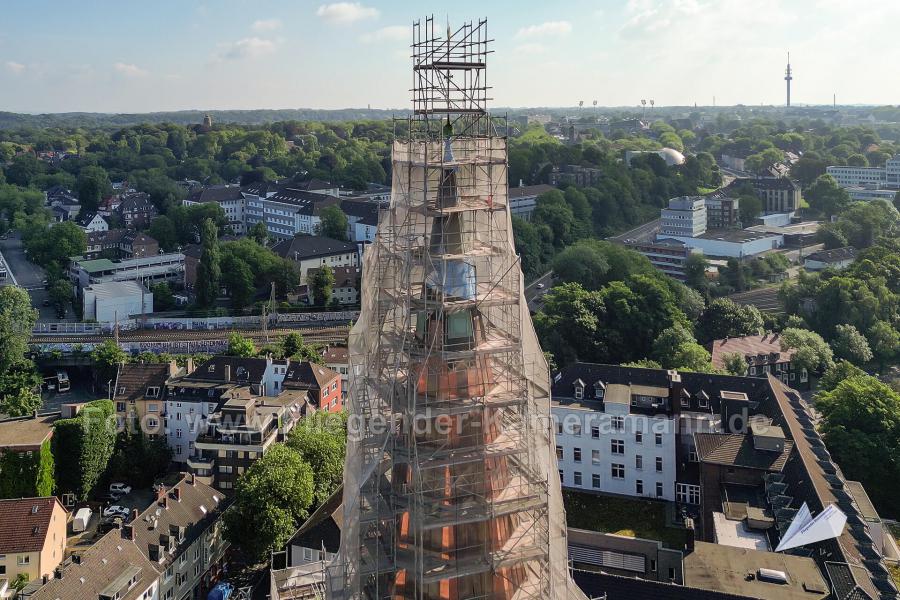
[670,155]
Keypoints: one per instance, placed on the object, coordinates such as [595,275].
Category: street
[29,276]
[534,291]
[641,233]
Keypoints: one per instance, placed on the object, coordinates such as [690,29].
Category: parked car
[116,511]
[119,488]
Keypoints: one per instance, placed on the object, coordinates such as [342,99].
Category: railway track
[310,334]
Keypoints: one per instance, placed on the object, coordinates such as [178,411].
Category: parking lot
[137,499]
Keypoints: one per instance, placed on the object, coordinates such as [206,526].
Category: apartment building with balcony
[241,431]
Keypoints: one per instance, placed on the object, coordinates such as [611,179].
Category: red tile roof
[24,523]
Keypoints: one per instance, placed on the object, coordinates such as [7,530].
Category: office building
[684,217]
[523,199]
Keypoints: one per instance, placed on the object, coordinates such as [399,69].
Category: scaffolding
[450,486]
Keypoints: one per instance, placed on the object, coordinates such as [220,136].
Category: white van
[81,519]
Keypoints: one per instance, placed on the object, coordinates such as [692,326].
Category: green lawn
[622,516]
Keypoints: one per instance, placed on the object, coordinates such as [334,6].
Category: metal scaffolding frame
[450,485]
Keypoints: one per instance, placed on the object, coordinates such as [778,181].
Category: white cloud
[250,47]
[529,49]
[548,28]
[129,70]
[15,67]
[267,25]
[392,33]
[346,12]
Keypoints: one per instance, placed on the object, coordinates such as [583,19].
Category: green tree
[884,342]
[270,501]
[749,207]
[334,223]
[163,298]
[811,351]
[237,279]
[107,358]
[321,285]
[163,230]
[293,346]
[20,389]
[209,272]
[60,293]
[861,424]
[583,263]
[825,196]
[239,345]
[321,442]
[735,364]
[838,372]
[259,233]
[695,271]
[93,185]
[17,318]
[723,318]
[850,344]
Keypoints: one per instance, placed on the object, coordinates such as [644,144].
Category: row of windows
[618,472]
[618,424]
[618,448]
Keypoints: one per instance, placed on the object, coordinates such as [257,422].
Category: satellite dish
[805,529]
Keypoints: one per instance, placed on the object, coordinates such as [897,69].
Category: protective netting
[450,484]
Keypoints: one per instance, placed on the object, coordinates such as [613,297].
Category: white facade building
[92,223]
[116,301]
[847,176]
[614,450]
[685,217]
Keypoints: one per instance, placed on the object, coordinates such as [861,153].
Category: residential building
[288,211]
[523,199]
[616,437]
[575,175]
[684,217]
[112,568]
[362,219]
[120,243]
[92,221]
[32,537]
[240,432]
[192,254]
[313,251]
[837,258]
[230,197]
[24,446]
[667,255]
[181,535]
[115,301]
[763,355]
[192,398]
[319,538]
[322,384]
[375,192]
[146,269]
[346,284]
[139,396]
[722,212]
[62,213]
[136,209]
[337,358]
[892,172]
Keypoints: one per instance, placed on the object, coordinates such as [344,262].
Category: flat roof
[617,393]
[117,289]
[729,570]
[734,534]
[26,432]
[735,235]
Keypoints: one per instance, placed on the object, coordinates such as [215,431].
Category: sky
[131,56]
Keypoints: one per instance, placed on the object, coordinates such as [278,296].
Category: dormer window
[152,392]
[599,390]
[579,389]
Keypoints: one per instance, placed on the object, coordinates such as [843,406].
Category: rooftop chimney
[177,493]
[227,372]
[128,532]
